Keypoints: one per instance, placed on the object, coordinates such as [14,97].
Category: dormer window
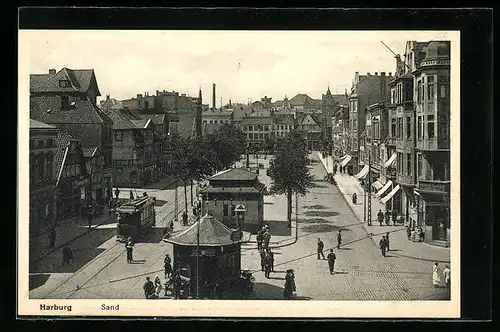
[65,83]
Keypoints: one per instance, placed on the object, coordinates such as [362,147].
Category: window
[393,127]
[441,172]
[225,210]
[444,91]
[419,165]
[399,165]
[376,129]
[431,88]
[211,121]
[408,164]
[64,83]
[50,142]
[251,128]
[118,135]
[419,89]
[442,50]
[146,104]
[419,127]
[393,93]
[400,127]
[248,136]
[41,144]
[430,126]
[408,127]
[266,128]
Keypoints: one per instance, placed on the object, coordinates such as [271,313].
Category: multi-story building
[432,154]
[257,129]
[94,164]
[134,161]
[43,175]
[217,116]
[67,100]
[366,90]
[310,125]
[283,124]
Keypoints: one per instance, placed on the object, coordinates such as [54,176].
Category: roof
[340,99]
[211,189]
[259,113]
[155,118]
[80,81]
[300,99]
[40,125]
[47,109]
[219,112]
[234,174]
[284,118]
[141,124]
[256,120]
[208,231]
[185,124]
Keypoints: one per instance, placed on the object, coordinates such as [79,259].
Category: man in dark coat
[321,246]
[394,217]
[67,254]
[262,259]
[184,218]
[331,261]
[167,264]
[177,284]
[117,193]
[129,246]
[387,217]
[383,245]
[271,257]
[260,239]
[380,217]
[339,239]
[387,241]
[149,288]
[267,266]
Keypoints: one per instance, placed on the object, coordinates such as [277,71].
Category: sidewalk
[66,232]
[399,243]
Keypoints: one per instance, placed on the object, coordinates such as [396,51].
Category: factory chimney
[199,106]
[213,95]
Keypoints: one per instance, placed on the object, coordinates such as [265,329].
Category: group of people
[263,238]
[384,244]
[331,257]
[289,284]
[415,234]
[387,216]
[267,261]
[436,277]
[174,281]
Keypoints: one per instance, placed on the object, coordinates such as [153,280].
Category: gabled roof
[314,117]
[211,233]
[340,99]
[234,174]
[300,99]
[80,81]
[256,120]
[47,109]
[284,119]
[40,125]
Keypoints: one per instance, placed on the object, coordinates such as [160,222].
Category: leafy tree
[227,145]
[288,169]
[270,144]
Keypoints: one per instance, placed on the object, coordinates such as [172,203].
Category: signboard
[236,236]
[205,252]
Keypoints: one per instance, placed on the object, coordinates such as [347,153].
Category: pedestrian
[354,198]
[383,245]
[394,217]
[167,264]
[420,234]
[262,259]
[171,225]
[331,261]
[387,240]
[339,239]
[387,217]
[414,236]
[216,290]
[408,232]
[158,287]
[321,246]
[129,246]
[447,276]
[289,284]
[267,239]
[271,257]
[436,279]
[117,193]
[52,241]
[148,288]
[260,239]
[89,215]
[267,266]
[380,217]
[184,218]
[67,254]
[177,283]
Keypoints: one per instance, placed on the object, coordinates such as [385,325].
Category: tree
[288,169]
[188,161]
[227,145]
[270,144]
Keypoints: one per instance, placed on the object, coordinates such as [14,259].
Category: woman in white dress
[436,279]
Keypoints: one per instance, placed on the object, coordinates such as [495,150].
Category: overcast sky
[243,64]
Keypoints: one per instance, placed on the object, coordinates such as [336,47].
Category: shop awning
[345,161]
[391,160]
[384,189]
[377,184]
[389,195]
[362,174]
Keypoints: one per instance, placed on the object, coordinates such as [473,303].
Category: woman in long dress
[436,279]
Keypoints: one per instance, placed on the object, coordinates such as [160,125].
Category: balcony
[433,144]
[434,186]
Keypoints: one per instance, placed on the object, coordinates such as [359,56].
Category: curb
[344,195]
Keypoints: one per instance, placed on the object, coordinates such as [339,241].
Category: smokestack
[199,106]
[52,71]
[213,95]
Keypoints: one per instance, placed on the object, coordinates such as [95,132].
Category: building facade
[67,100]
[43,175]
[229,189]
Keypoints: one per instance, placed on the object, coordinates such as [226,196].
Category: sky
[244,65]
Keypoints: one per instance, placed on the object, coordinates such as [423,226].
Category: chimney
[107,97]
[368,74]
[382,73]
[390,74]
[376,73]
[52,71]
[356,77]
[229,102]
[139,96]
[213,95]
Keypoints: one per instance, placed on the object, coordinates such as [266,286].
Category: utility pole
[369,205]
[176,208]
[198,259]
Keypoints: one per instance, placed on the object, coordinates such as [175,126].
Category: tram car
[135,218]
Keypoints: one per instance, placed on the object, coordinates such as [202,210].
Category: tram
[135,218]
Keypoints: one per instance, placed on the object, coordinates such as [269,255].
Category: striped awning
[377,185]
[391,160]
[345,161]
[392,193]
[384,189]
[362,174]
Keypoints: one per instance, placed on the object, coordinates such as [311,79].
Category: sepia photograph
[250,169]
